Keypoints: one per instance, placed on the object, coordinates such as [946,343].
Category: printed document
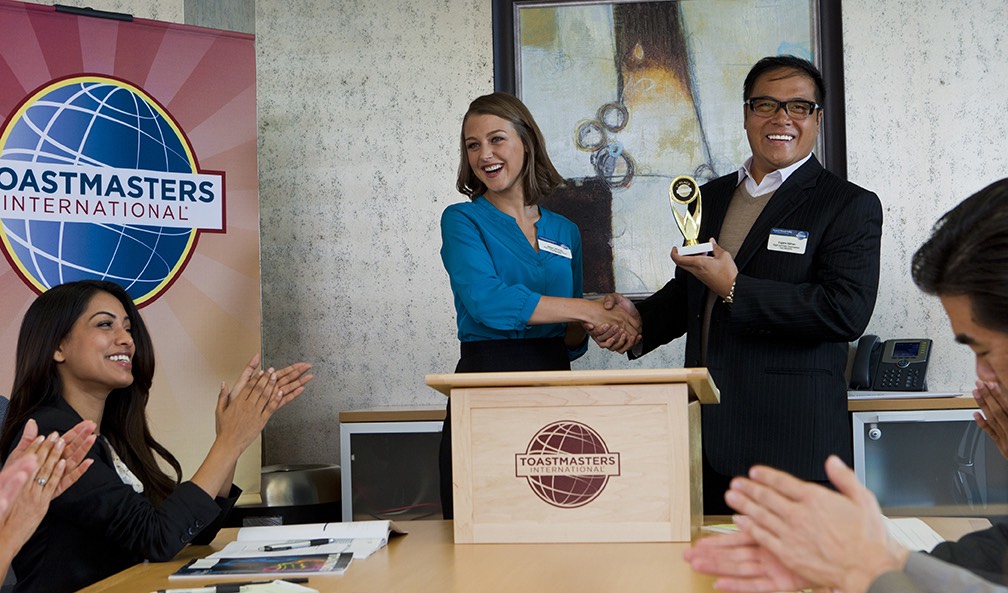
[361,538]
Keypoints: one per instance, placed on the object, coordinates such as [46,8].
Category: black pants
[492,356]
[716,484]
[714,487]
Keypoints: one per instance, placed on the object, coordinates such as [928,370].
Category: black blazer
[779,353]
[100,526]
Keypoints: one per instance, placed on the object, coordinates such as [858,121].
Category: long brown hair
[539,176]
[37,382]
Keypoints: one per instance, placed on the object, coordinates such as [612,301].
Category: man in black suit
[795,535]
[792,279]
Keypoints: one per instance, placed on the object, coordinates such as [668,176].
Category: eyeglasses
[796,108]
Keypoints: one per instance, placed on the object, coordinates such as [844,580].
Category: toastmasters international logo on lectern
[567,464]
[98,181]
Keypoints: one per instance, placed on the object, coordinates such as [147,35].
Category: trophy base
[695,249]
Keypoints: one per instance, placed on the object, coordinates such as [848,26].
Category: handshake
[614,323]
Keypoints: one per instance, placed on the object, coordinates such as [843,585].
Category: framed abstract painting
[630,95]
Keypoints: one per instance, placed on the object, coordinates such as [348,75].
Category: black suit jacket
[779,353]
[100,526]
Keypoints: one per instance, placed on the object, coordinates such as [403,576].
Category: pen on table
[308,543]
[228,587]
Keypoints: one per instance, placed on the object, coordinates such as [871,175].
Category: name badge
[787,241]
[555,248]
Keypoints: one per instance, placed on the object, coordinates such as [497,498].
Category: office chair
[965,489]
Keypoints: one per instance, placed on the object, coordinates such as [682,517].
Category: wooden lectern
[577,456]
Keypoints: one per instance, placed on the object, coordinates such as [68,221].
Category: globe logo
[97,122]
[567,464]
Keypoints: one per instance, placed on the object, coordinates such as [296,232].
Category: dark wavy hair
[967,254]
[539,176]
[37,382]
[787,63]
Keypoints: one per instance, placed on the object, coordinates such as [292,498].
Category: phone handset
[869,349]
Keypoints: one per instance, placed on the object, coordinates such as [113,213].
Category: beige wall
[359,106]
[926,82]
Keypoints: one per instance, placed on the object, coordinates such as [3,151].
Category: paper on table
[360,548]
[913,533]
[343,530]
[362,538]
[278,586]
[855,394]
[273,566]
[720,528]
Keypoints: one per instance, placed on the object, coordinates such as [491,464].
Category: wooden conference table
[427,561]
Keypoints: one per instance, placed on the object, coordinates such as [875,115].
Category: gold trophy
[684,191]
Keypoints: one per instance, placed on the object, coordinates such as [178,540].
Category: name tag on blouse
[554,248]
[787,241]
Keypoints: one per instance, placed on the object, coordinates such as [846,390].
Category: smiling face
[989,346]
[96,355]
[496,154]
[779,141]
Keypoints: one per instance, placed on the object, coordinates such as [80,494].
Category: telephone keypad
[899,378]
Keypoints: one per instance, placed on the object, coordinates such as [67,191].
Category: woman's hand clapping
[39,469]
[241,415]
[243,411]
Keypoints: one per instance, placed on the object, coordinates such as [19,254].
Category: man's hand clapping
[994,419]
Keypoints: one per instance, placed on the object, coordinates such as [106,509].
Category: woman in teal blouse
[514,266]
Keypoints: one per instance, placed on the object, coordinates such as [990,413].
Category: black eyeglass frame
[812,105]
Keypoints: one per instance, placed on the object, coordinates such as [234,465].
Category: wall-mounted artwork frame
[630,94]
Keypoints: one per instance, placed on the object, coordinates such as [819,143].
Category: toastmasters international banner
[128,153]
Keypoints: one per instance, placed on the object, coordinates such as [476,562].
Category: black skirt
[497,356]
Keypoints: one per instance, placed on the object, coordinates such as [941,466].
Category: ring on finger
[41,481]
